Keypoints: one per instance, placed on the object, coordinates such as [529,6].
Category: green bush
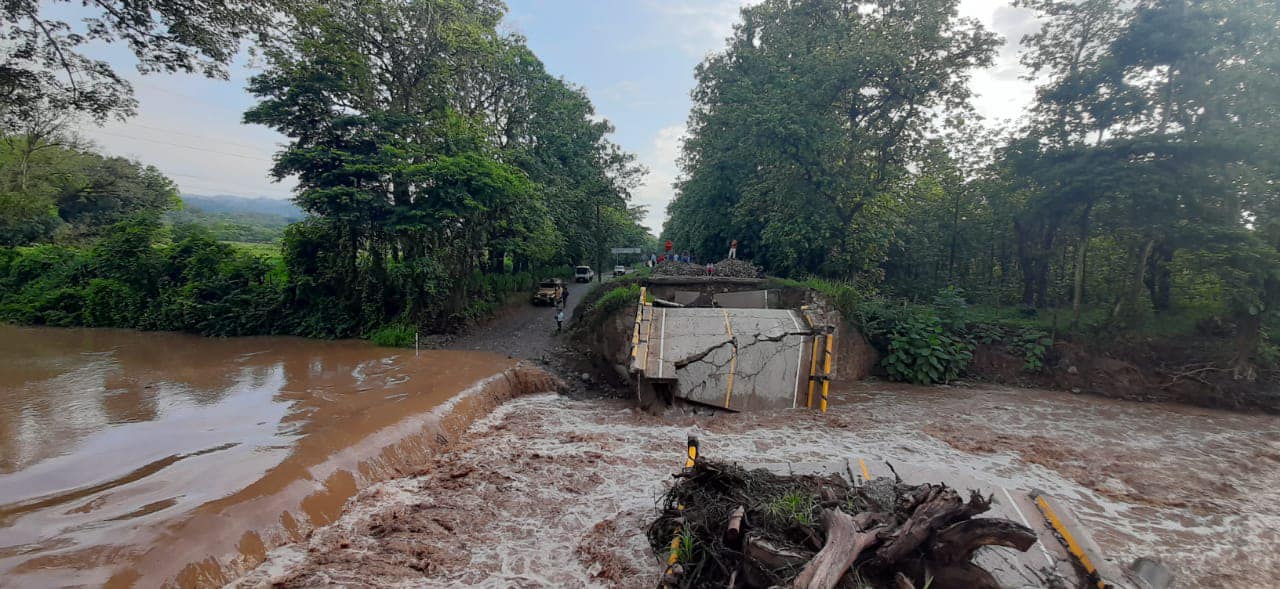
[110,303]
[617,298]
[394,336]
[921,351]
[1033,344]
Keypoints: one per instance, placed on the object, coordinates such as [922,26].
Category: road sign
[624,250]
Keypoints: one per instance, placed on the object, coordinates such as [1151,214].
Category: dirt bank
[549,491]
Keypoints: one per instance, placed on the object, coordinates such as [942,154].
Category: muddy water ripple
[142,459]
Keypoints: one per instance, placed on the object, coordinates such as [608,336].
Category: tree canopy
[1143,183]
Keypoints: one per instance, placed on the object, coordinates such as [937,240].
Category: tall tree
[811,114]
[430,149]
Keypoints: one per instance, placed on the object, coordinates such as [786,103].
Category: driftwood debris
[757,529]
[734,530]
[845,542]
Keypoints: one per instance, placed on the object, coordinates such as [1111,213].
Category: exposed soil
[550,491]
[1191,371]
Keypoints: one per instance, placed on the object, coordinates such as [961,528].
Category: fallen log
[933,509]
[845,542]
[959,575]
[957,542]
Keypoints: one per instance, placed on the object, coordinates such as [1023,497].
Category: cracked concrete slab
[739,359]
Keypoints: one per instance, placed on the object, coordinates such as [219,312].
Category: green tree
[810,118]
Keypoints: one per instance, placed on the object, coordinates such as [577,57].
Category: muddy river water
[138,459]
[149,459]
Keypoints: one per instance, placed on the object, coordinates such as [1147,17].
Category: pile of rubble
[728,268]
[738,269]
[674,268]
[724,526]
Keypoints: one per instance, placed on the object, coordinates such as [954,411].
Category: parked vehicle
[549,292]
[619,270]
[583,274]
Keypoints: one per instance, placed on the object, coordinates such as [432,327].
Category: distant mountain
[225,203]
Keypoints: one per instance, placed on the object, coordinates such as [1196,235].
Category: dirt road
[523,330]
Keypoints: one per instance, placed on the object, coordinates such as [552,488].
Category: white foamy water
[548,491]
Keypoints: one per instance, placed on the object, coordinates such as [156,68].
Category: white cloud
[696,28]
[999,93]
[660,157]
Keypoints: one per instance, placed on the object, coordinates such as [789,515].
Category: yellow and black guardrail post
[672,571]
[826,368]
[822,345]
[635,331]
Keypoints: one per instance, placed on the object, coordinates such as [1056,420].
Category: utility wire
[179,145]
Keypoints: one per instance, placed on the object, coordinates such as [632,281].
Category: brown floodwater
[149,459]
[548,491]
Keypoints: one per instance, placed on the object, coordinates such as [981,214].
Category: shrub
[617,298]
[396,335]
[110,303]
[922,352]
[1033,344]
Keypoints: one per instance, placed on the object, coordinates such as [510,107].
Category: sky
[635,58]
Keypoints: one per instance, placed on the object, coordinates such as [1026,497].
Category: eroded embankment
[548,491]
[146,459]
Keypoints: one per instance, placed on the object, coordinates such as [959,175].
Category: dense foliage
[440,167]
[430,151]
[138,276]
[51,187]
[227,226]
[1141,193]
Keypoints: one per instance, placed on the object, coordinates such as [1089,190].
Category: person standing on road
[733,250]
[564,297]
[711,268]
[559,320]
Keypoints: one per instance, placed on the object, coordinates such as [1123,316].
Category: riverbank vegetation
[440,167]
[1136,203]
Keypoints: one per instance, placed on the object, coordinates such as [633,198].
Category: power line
[196,136]
[179,145]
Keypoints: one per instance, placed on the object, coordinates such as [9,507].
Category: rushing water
[552,492]
[131,458]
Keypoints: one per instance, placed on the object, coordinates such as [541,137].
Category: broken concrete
[737,359]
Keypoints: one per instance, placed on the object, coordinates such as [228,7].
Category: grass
[686,545]
[394,336]
[269,251]
[794,506]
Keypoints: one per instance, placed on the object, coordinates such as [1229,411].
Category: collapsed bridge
[736,358]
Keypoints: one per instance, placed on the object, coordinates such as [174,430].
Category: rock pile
[738,269]
[726,268]
[673,268]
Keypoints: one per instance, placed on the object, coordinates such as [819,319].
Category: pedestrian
[711,268]
[559,320]
[733,249]
[564,297]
